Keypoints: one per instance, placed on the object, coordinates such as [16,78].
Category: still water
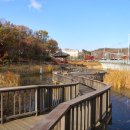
[35,79]
[120,110]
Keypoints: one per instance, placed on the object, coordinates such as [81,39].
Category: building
[72,52]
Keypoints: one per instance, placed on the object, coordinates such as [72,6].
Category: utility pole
[104,52]
[128,48]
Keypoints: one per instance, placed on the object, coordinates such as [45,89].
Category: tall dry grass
[45,68]
[118,78]
[32,69]
[9,79]
[90,65]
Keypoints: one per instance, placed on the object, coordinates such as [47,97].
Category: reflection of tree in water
[44,79]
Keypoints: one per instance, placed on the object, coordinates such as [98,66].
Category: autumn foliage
[18,42]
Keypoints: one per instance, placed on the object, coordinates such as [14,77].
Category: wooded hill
[18,42]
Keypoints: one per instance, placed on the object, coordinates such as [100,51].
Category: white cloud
[35,4]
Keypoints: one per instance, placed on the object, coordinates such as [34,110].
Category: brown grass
[90,65]
[118,78]
[9,79]
[45,68]
[28,68]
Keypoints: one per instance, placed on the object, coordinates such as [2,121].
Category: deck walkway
[83,89]
[22,124]
[29,122]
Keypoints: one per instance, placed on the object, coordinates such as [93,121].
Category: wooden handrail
[16,102]
[80,113]
[34,87]
[53,117]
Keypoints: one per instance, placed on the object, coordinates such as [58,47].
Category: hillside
[99,53]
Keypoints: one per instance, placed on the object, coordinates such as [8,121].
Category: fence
[81,113]
[16,102]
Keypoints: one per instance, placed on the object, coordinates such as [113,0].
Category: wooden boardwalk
[22,124]
[29,122]
[83,89]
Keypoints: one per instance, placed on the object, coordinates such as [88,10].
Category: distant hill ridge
[98,53]
[112,50]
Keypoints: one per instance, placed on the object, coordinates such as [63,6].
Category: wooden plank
[2,115]
[21,124]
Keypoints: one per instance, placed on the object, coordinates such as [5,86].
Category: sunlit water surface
[120,110]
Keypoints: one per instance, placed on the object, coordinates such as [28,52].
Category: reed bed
[30,69]
[45,68]
[9,79]
[10,76]
[90,65]
[118,78]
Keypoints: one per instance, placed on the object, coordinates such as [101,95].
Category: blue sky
[76,24]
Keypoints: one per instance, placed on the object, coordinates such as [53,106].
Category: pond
[11,79]
[35,79]
[120,110]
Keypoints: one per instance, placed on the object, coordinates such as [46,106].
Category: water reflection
[120,110]
[34,79]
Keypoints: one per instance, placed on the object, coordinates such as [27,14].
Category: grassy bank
[90,65]
[30,69]
[118,79]
[10,75]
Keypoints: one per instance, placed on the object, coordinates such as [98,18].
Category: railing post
[50,98]
[63,94]
[107,102]
[71,96]
[37,100]
[100,108]
[77,115]
[81,116]
[93,113]
[72,118]
[75,90]
[67,121]
[63,123]
[2,113]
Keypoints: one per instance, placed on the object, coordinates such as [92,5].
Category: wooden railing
[93,76]
[16,102]
[88,73]
[81,113]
